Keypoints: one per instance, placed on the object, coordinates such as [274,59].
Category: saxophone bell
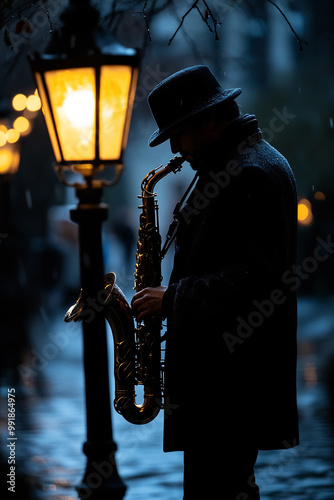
[75,312]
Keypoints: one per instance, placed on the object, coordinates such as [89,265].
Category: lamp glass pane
[47,116]
[72,95]
[114,100]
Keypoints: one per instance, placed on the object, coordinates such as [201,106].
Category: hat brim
[160,136]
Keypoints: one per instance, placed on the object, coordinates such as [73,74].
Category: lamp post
[86,82]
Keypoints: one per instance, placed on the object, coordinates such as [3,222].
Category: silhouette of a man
[230,367]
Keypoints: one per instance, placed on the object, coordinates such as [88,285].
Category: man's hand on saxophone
[148,302]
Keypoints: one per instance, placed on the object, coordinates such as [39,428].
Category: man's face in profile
[192,140]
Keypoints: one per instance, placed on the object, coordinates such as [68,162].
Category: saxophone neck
[150,180]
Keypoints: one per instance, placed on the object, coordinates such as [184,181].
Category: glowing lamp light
[305,216]
[9,145]
[87,92]
[5,160]
[33,103]
[9,159]
[19,102]
[21,125]
[79,108]
[12,136]
[3,139]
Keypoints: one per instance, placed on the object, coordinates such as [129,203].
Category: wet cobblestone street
[50,417]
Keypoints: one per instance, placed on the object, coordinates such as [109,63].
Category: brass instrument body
[137,349]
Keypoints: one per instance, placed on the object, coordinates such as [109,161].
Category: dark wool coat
[231,301]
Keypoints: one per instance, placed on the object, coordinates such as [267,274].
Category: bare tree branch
[182,20]
[13,11]
[204,19]
[215,22]
[48,16]
[188,38]
[290,25]
[208,13]
[143,13]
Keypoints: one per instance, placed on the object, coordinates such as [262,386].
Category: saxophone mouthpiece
[175,164]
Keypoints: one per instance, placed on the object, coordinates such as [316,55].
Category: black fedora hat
[182,96]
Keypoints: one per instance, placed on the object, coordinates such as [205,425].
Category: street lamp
[86,82]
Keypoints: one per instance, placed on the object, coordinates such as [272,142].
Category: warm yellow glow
[80,107]
[3,139]
[9,160]
[19,102]
[305,216]
[319,196]
[3,128]
[72,99]
[21,124]
[48,120]
[33,103]
[5,161]
[114,100]
[12,136]
[303,212]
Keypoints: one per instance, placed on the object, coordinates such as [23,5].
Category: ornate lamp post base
[101,480]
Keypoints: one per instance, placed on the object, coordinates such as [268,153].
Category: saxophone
[137,349]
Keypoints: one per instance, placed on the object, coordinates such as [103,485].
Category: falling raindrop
[331,122]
